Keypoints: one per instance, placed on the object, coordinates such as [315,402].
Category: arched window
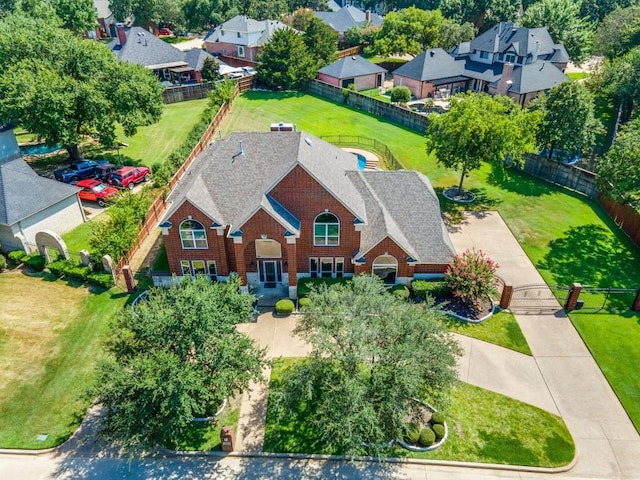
[193,234]
[326,230]
[386,267]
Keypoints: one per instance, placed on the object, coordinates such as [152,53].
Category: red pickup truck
[128,177]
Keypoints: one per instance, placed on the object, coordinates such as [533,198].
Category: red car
[96,191]
[165,32]
[127,177]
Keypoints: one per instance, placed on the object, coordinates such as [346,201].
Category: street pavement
[561,377]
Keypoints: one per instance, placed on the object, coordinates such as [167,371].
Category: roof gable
[430,65]
[143,48]
[506,35]
[347,17]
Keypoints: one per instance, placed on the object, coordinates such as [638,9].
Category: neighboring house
[505,60]
[106,21]
[356,71]
[278,206]
[139,46]
[29,203]
[347,17]
[241,37]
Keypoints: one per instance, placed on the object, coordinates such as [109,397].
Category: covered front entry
[270,272]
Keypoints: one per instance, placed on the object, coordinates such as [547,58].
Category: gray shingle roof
[402,205]
[506,36]
[431,65]
[246,27]
[536,77]
[349,67]
[22,191]
[143,48]
[196,57]
[347,17]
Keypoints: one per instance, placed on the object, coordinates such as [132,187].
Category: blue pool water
[39,149]
[362,162]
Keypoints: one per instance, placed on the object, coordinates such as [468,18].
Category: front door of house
[270,273]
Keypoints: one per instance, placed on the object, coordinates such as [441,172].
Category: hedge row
[429,288]
[73,270]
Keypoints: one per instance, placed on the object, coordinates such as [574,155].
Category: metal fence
[389,159]
[614,300]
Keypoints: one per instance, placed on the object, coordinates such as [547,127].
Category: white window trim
[326,232]
[335,261]
[193,238]
[241,52]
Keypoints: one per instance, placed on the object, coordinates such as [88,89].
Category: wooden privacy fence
[201,90]
[349,52]
[158,206]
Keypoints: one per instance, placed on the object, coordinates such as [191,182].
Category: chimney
[536,50]
[506,80]
[368,16]
[122,36]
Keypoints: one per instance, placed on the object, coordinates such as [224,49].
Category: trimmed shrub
[16,256]
[427,437]
[35,261]
[284,307]
[437,418]
[101,279]
[78,272]
[400,291]
[3,263]
[303,302]
[438,430]
[429,288]
[306,284]
[59,267]
[413,433]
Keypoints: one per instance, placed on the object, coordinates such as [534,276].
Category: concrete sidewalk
[608,445]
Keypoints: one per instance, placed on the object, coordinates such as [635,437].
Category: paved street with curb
[561,377]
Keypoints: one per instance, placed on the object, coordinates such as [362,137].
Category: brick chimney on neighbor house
[368,16]
[506,80]
[122,35]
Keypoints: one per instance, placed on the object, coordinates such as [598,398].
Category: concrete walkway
[608,446]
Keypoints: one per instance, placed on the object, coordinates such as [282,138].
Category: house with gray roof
[139,46]
[356,70]
[506,60]
[348,17]
[278,206]
[241,37]
[29,203]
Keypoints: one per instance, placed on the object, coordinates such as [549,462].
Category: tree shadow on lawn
[453,212]
[496,444]
[515,181]
[589,254]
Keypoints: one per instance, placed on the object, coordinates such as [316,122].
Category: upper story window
[193,234]
[326,230]
[510,58]
[484,55]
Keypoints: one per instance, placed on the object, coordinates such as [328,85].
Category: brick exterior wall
[304,197]
[231,50]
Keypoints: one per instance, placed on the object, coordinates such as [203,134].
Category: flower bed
[433,431]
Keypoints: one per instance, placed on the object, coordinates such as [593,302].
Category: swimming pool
[38,149]
[362,161]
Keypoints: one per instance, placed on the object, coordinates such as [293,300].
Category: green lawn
[484,427]
[501,329]
[375,92]
[568,237]
[577,75]
[205,436]
[50,342]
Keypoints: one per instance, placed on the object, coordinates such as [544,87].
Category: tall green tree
[568,122]
[618,33]
[562,19]
[149,12]
[618,172]
[597,10]
[285,61]
[371,354]
[410,30]
[452,33]
[178,356]
[261,10]
[321,41]
[210,70]
[76,15]
[479,127]
[482,13]
[621,83]
[199,14]
[61,88]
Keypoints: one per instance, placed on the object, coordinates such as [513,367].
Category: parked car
[127,177]
[96,191]
[236,74]
[76,171]
[249,71]
[103,170]
[165,32]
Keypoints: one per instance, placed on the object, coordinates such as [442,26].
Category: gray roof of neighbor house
[535,77]
[348,67]
[245,26]
[22,191]
[348,17]
[144,48]
[402,205]
[232,179]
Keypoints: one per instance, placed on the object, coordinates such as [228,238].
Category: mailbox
[227,439]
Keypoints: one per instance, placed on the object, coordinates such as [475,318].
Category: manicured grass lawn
[568,237]
[483,426]
[375,92]
[205,436]
[577,75]
[501,329]
[50,341]
[78,238]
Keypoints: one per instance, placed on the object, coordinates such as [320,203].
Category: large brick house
[278,206]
